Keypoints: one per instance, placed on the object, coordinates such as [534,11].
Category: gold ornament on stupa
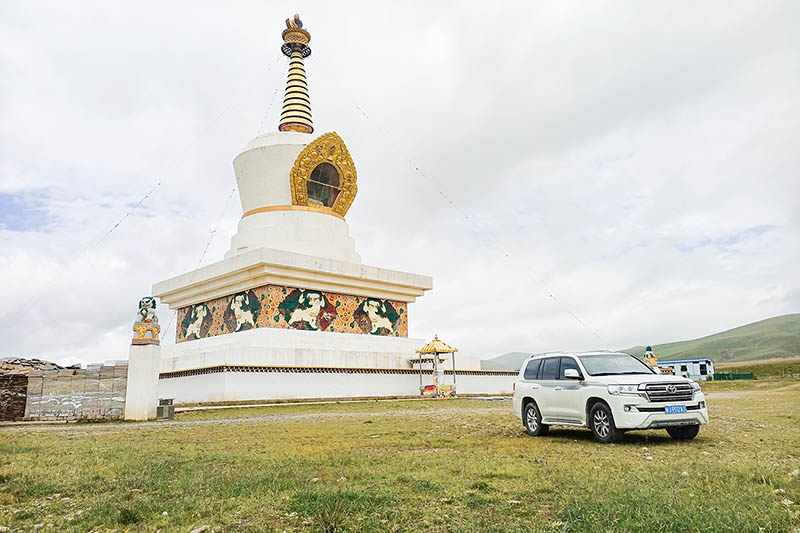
[296,113]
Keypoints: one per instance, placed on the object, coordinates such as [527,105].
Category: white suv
[609,392]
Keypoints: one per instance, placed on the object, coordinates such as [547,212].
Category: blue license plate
[674,409]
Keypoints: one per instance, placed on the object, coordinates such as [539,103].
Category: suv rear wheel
[601,422]
[684,432]
[532,419]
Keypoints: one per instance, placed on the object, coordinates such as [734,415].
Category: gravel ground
[86,428]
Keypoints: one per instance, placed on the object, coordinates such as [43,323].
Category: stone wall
[97,392]
[13,391]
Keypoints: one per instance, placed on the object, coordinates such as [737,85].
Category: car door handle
[535,386]
[559,388]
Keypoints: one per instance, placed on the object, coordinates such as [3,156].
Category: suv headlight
[695,386]
[616,390]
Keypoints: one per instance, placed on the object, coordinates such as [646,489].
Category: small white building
[696,369]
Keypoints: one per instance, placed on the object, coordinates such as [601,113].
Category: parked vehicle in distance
[608,392]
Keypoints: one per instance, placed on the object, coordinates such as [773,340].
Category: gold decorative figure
[328,148]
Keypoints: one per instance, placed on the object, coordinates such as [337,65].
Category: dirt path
[135,426]
[448,412]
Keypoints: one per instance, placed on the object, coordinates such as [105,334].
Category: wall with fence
[730,376]
[96,392]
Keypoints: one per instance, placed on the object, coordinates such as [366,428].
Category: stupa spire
[296,113]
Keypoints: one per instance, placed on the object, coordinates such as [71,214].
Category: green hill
[771,338]
[507,361]
[766,339]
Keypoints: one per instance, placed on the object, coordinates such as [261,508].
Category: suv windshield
[613,364]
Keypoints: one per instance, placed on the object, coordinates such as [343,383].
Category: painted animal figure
[376,311]
[311,304]
[240,305]
[199,314]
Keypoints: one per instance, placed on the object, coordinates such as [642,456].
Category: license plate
[674,409]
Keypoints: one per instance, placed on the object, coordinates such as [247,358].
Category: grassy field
[449,465]
[771,369]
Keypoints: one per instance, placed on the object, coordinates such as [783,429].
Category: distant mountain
[507,361]
[771,338]
[766,339]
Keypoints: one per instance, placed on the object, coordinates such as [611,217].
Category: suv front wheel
[601,422]
[532,419]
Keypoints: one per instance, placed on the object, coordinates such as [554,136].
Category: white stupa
[291,312]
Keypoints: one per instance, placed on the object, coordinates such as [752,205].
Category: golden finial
[295,37]
[296,113]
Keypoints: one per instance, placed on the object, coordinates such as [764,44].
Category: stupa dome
[295,187]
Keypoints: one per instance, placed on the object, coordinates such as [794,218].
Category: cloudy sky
[572,175]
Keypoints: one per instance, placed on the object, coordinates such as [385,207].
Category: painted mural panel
[274,306]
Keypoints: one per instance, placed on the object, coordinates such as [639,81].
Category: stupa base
[269,364]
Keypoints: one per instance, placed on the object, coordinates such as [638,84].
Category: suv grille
[669,392]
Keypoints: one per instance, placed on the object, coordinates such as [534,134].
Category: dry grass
[456,465]
[769,369]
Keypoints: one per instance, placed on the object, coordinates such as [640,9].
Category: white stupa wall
[302,232]
[262,168]
[289,347]
[268,364]
[234,387]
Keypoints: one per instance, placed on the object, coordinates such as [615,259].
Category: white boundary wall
[283,364]
[247,386]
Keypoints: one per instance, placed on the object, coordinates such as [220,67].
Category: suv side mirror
[571,373]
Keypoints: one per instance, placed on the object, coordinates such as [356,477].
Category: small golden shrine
[435,353]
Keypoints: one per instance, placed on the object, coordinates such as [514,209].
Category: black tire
[601,422]
[532,420]
[684,432]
